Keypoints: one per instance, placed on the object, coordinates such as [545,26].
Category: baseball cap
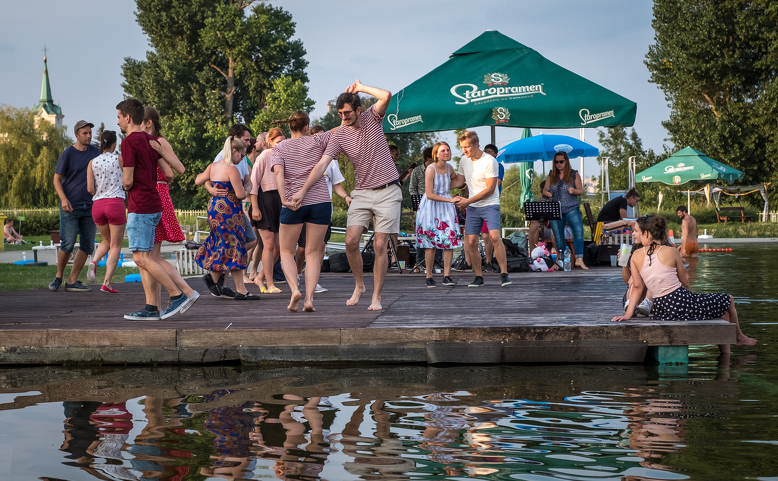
[81,124]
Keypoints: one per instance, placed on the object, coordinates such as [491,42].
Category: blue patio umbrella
[544,147]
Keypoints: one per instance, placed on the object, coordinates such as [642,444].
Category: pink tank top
[659,278]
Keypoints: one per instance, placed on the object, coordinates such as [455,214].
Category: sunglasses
[345,113]
[559,161]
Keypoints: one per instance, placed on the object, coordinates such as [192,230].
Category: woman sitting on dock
[660,270]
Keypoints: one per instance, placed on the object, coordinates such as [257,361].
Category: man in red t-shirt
[377,194]
[139,164]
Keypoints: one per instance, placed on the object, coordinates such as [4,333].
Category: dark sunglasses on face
[559,161]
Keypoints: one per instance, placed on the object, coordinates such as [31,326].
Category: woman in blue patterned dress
[437,226]
[225,248]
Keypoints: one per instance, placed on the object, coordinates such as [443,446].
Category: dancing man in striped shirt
[377,193]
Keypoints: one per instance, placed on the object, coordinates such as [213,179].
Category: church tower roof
[46,102]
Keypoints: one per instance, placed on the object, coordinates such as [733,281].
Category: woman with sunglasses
[564,185]
[659,271]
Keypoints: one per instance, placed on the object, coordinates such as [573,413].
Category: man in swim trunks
[689,247]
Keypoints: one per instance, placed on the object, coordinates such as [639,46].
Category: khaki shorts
[384,205]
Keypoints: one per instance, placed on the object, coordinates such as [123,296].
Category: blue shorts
[79,222]
[140,231]
[476,216]
[320,213]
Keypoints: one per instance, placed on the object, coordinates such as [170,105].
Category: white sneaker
[644,308]
[90,272]
[626,305]
[319,288]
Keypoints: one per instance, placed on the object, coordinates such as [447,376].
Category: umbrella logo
[501,115]
[591,118]
[400,123]
[496,79]
[563,148]
[676,179]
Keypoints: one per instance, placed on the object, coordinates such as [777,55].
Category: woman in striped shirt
[292,162]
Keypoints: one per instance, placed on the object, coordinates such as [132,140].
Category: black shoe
[448,281]
[467,268]
[246,297]
[224,291]
[54,285]
[462,267]
[505,280]
[488,267]
[477,282]
[215,291]
[76,287]
[143,315]
[431,282]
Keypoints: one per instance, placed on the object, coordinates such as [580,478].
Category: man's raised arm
[383,96]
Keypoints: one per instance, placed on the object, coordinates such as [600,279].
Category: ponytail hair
[230,144]
[107,139]
[151,114]
[297,121]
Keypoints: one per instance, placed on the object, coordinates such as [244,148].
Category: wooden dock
[540,318]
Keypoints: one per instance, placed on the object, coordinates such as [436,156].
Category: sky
[387,44]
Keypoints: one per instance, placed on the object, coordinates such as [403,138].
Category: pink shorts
[484,229]
[109,211]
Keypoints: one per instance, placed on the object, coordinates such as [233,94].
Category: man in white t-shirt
[481,172]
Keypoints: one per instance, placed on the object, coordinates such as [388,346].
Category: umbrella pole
[494,135]
[689,201]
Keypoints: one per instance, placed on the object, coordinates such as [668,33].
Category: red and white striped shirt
[367,149]
[298,157]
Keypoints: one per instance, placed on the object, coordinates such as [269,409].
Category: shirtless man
[689,247]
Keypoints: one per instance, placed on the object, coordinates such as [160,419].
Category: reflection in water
[550,434]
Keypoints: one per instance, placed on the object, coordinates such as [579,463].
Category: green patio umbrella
[495,80]
[688,165]
[526,172]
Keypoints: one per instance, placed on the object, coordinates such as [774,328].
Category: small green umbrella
[688,165]
[494,80]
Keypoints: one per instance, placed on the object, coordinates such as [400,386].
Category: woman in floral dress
[437,226]
[225,248]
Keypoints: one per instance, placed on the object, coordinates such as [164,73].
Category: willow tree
[28,157]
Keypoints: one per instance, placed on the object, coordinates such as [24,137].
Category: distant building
[46,108]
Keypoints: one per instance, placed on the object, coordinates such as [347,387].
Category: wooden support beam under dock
[541,318]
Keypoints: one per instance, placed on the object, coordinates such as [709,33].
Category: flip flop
[246,297]
[274,290]
[263,289]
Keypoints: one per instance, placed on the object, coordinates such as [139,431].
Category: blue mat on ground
[132,278]
[21,263]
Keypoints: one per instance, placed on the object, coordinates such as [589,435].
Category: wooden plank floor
[553,307]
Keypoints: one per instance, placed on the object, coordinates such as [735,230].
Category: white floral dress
[437,225]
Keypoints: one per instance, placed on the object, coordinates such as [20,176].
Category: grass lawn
[17,278]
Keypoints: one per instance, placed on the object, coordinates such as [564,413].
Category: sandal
[246,297]
[263,289]
[274,290]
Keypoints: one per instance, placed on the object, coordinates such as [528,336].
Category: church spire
[45,86]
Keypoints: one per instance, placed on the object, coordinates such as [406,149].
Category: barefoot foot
[358,291]
[308,308]
[744,340]
[580,263]
[375,305]
[294,301]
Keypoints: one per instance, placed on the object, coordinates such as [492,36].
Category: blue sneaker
[143,315]
[174,307]
[190,301]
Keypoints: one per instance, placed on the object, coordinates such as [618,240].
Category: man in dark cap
[75,209]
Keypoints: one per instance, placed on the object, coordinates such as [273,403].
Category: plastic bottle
[24,256]
[568,264]
[670,236]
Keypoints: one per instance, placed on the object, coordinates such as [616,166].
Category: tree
[715,62]
[214,62]
[28,158]
[288,96]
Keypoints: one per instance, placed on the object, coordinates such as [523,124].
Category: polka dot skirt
[168,228]
[682,305]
